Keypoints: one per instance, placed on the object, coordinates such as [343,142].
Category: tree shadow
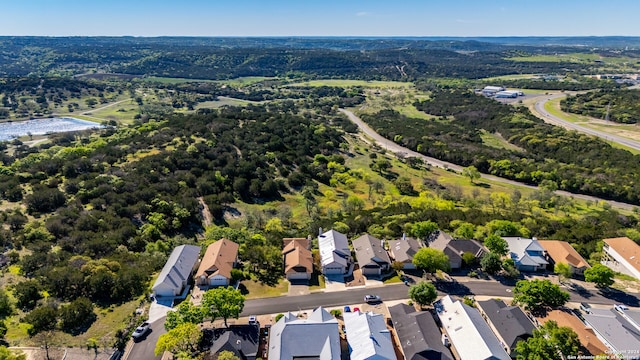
[243,289]
[452,288]
[482,185]
[620,296]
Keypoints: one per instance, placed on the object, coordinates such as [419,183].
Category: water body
[11,130]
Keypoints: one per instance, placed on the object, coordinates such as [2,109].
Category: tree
[404,186]
[7,354]
[538,294]
[6,308]
[381,165]
[491,263]
[599,274]
[181,341]
[41,319]
[549,342]
[468,259]
[223,302]
[496,245]
[430,260]
[423,229]
[423,293]
[472,173]
[227,355]
[397,266]
[27,294]
[76,317]
[186,313]
[563,270]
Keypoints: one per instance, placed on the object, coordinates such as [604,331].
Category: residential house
[368,336]
[619,335]
[177,271]
[419,335]
[403,251]
[622,255]
[217,263]
[335,255]
[469,334]
[316,337]
[298,261]
[527,254]
[371,255]
[455,248]
[509,323]
[563,252]
[588,339]
[242,340]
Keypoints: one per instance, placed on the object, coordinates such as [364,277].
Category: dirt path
[395,148]
[207,219]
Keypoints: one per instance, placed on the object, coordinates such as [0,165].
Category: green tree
[491,263]
[223,302]
[6,308]
[563,270]
[538,294]
[464,230]
[599,274]
[76,317]
[397,266]
[6,354]
[27,294]
[468,259]
[430,260]
[381,165]
[180,340]
[186,313]
[496,245]
[227,355]
[404,186]
[423,293]
[548,342]
[41,319]
[422,229]
[472,173]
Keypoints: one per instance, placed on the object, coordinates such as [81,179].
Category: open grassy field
[350,83]
[497,141]
[169,80]
[510,77]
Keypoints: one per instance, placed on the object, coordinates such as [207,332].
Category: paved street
[144,349]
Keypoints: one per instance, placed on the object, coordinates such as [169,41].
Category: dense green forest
[618,106]
[550,156]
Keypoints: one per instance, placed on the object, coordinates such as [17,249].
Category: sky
[320,18]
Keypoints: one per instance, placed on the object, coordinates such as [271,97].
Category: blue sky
[320,18]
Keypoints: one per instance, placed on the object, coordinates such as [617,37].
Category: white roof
[368,336]
[178,267]
[332,245]
[468,332]
[316,336]
[518,247]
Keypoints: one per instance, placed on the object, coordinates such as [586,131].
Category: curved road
[393,147]
[554,120]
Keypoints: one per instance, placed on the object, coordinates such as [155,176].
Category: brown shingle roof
[304,242]
[627,248]
[297,255]
[563,252]
[218,259]
[587,337]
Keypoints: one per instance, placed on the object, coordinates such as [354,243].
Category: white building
[176,271]
[335,255]
[622,255]
[368,336]
[469,334]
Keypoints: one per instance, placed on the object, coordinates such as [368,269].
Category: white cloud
[363,13]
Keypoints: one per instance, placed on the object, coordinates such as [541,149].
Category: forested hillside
[618,106]
[552,156]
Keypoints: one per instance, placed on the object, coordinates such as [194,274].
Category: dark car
[141,331]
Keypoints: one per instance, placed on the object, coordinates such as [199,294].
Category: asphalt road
[554,120]
[395,148]
[143,350]
[400,292]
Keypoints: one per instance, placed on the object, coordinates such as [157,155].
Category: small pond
[14,129]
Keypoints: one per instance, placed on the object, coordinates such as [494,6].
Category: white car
[141,331]
[372,299]
[620,307]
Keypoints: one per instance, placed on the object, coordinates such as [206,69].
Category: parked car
[585,307]
[620,307]
[347,309]
[372,298]
[141,331]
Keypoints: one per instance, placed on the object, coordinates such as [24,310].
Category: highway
[554,120]
[395,148]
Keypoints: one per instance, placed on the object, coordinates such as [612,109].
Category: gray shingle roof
[178,267]
[419,335]
[242,340]
[369,251]
[511,323]
[404,250]
[614,329]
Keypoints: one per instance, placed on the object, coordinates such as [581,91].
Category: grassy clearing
[170,80]
[247,80]
[510,77]
[255,289]
[350,83]
[497,141]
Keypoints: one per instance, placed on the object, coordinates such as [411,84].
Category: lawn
[497,141]
[350,83]
[254,290]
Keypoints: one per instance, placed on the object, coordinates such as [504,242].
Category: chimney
[404,236]
[319,231]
